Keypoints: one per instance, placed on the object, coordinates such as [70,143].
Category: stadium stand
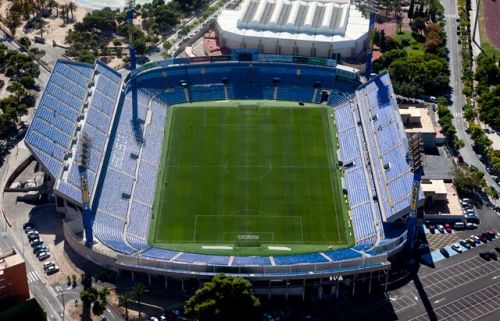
[387,144]
[60,105]
[127,130]
[251,260]
[299,258]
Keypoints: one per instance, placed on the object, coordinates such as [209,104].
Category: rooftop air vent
[375,117]
[125,196]
[387,166]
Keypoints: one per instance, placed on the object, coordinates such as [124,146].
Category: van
[459,226]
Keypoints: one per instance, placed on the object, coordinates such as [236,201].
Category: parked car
[52,269]
[490,234]
[485,255]
[457,247]
[31,232]
[28,226]
[440,228]
[465,244]
[493,255]
[447,227]
[36,242]
[43,255]
[497,249]
[33,237]
[432,228]
[471,242]
[471,226]
[38,248]
[459,225]
[47,264]
[483,237]
[476,239]
[472,219]
[444,252]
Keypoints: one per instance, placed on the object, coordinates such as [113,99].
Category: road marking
[495,277]
[54,310]
[33,277]
[437,301]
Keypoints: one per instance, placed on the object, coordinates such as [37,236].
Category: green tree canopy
[223,298]
[467,179]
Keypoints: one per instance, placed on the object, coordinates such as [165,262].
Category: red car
[447,227]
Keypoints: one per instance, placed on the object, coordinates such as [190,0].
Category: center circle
[248,166]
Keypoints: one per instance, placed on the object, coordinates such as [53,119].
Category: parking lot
[457,275]
[470,307]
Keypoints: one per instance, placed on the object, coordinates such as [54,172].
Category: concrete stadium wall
[105,260]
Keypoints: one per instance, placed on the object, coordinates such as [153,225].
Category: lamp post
[64,306]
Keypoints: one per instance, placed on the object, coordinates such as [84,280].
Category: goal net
[248,240]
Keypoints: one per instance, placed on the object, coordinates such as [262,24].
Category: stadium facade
[328,29]
[125,117]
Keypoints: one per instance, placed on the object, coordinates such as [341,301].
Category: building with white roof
[322,28]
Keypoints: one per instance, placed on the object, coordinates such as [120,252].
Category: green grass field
[266,169]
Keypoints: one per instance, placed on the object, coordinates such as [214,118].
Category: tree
[123,300]
[88,295]
[18,89]
[140,46]
[418,25]
[223,298]
[138,291]
[71,8]
[411,9]
[467,179]
[12,21]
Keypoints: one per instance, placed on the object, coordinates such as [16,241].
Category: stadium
[275,168]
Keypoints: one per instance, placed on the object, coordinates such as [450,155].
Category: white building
[318,28]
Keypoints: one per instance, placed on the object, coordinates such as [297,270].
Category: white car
[47,264]
[52,269]
[440,228]
[457,247]
[43,255]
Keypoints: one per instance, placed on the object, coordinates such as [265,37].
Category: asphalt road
[458,99]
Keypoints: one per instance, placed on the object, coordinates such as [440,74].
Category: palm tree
[123,301]
[71,7]
[103,294]
[52,4]
[138,291]
[64,12]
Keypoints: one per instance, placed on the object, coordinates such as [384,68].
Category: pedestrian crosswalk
[33,277]
[457,115]
[453,16]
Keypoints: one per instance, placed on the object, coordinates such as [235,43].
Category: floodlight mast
[416,165]
[373,7]
[85,150]
[130,20]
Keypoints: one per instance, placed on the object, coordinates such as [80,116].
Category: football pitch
[260,170]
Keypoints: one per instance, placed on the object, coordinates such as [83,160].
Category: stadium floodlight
[374,7]
[416,164]
[130,21]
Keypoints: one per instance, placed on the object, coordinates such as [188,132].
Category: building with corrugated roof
[328,29]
